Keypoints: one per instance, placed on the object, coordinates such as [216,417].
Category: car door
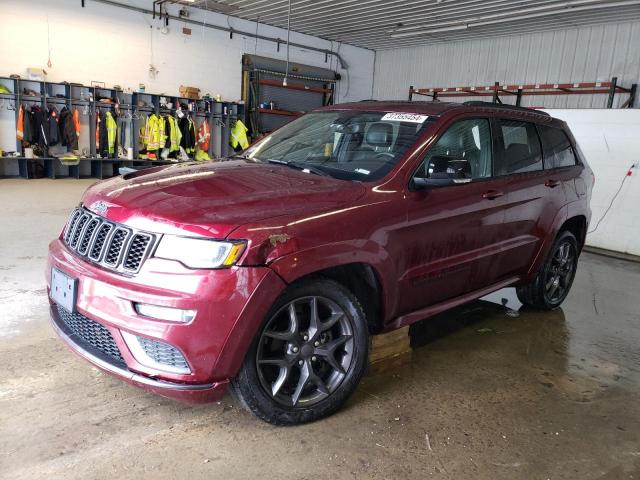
[453,231]
[560,162]
[534,196]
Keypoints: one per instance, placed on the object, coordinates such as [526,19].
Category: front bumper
[188,393]
[230,305]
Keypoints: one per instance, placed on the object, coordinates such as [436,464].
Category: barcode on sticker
[405,117]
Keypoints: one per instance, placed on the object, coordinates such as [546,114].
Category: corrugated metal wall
[585,54]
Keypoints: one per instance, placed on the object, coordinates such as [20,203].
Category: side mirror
[444,171]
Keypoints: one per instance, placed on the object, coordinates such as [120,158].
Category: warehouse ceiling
[386,24]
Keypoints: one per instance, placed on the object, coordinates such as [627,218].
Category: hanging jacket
[20,124]
[29,131]
[143,134]
[67,130]
[204,136]
[54,131]
[76,121]
[42,129]
[188,130]
[98,132]
[155,133]
[239,136]
[112,130]
[173,134]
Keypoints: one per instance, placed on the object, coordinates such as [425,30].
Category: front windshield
[350,145]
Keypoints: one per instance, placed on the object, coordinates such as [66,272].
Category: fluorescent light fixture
[510,16]
[430,31]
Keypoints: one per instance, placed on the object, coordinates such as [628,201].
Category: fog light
[165,313]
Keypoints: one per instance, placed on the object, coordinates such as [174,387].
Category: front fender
[298,264]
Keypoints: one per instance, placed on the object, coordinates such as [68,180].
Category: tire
[554,279]
[298,369]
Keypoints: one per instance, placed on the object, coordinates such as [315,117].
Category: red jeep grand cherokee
[269,272]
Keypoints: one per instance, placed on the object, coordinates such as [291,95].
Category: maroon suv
[270,271]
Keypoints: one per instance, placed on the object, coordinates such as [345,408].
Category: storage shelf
[294,86]
[274,111]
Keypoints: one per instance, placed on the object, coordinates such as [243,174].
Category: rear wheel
[308,356]
[553,282]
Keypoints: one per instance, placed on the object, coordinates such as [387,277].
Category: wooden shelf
[280,112]
[294,86]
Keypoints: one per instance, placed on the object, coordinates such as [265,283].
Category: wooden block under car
[389,350]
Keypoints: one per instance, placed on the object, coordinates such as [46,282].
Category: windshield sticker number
[405,117]
[362,171]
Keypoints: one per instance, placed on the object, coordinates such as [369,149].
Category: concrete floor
[487,395]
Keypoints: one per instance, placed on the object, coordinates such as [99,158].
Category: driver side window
[463,151]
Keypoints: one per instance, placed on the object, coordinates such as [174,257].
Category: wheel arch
[363,271]
[578,226]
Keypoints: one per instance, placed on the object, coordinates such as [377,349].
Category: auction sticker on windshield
[405,117]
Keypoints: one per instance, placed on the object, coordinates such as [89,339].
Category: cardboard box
[191,93]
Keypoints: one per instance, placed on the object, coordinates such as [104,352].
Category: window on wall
[518,148]
[467,141]
[556,148]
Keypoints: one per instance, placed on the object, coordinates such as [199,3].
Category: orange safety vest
[76,122]
[97,132]
[20,127]
[204,136]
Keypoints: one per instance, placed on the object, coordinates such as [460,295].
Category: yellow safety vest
[239,135]
[112,128]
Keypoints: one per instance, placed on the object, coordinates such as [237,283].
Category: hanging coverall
[112,131]
[20,126]
[204,136]
[239,136]
[187,127]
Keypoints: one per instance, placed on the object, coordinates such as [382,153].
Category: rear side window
[556,148]
[518,148]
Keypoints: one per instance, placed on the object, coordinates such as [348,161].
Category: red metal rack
[497,91]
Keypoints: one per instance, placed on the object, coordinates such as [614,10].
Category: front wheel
[552,283]
[308,357]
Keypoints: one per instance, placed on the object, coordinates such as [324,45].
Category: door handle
[552,183]
[492,194]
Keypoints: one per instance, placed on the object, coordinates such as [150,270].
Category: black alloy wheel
[551,285]
[559,275]
[305,351]
[307,357]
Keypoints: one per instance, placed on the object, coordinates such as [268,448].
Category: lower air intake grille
[163,353]
[91,333]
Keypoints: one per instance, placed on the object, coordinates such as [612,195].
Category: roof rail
[480,103]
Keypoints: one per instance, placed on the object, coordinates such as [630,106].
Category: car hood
[214,198]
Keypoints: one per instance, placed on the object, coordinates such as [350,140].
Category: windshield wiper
[299,166]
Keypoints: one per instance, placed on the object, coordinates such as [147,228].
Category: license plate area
[64,290]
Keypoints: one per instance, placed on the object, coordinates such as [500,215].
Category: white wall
[610,139]
[585,54]
[116,46]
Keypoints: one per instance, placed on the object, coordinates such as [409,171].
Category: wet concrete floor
[489,393]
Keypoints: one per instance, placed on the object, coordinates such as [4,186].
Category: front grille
[109,244]
[163,353]
[91,333]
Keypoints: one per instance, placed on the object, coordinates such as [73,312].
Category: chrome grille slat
[87,235]
[95,253]
[111,245]
[77,213]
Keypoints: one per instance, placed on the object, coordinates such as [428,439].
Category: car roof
[437,108]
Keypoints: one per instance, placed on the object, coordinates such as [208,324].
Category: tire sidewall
[248,385]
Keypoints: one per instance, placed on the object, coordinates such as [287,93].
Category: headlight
[199,252]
